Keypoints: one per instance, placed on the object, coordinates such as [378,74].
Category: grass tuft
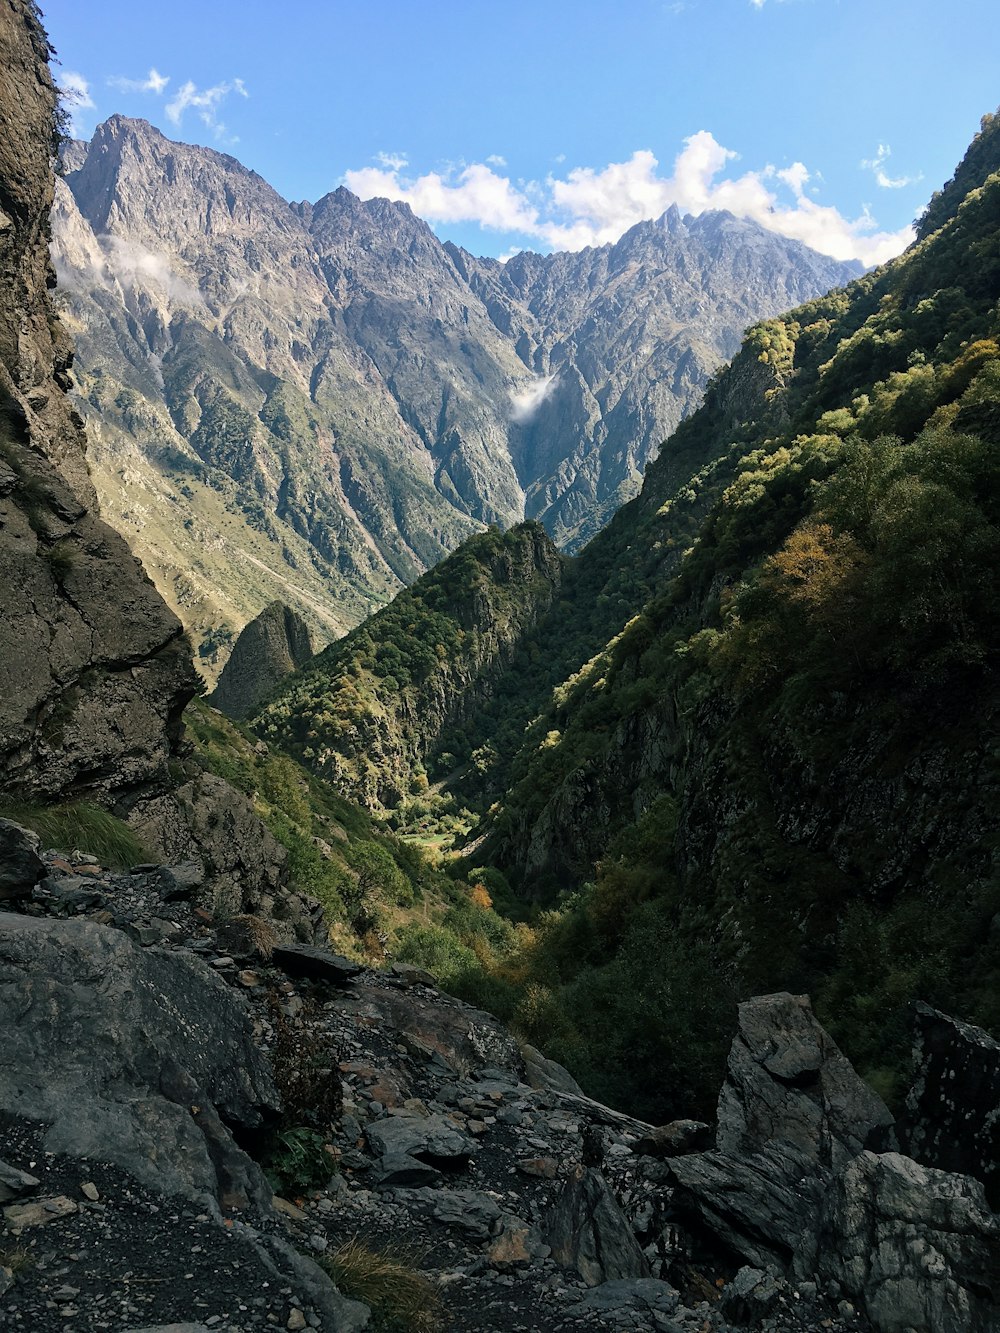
[80,826]
[399,1296]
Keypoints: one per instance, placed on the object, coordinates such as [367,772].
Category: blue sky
[527,125]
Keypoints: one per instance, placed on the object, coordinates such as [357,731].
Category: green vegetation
[79,826]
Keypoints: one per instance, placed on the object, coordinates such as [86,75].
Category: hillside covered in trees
[752,743]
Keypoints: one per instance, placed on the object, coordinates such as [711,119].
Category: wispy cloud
[524,403]
[75,91]
[154,82]
[592,206]
[394,161]
[876,165]
[207,103]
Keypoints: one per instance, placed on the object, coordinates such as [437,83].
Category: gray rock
[913,1247]
[953,1107]
[547,1075]
[646,1294]
[397,1170]
[129,1056]
[434,1137]
[305,960]
[272,646]
[792,1112]
[675,1139]
[21,866]
[587,1231]
[752,1296]
[468,1211]
[14,1182]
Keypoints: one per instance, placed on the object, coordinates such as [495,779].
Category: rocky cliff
[95,672]
[271,647]
[318,401]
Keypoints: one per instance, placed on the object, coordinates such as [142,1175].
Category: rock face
[952,1117]
[330,391]
[130,1056]
[915,1248]
[94,671]
[270,648]
[792,1114]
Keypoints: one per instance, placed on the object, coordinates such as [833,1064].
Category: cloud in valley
[524,403]
[590,206]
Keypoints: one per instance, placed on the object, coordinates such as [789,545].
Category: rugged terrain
[317,401]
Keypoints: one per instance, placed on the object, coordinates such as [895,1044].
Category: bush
[80,826]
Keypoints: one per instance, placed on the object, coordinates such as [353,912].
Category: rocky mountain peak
[271,647]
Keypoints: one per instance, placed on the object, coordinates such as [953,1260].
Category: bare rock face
[953,1107]
[130,1056]
[94,672]
[587,1231]
[270,648]
[792,1113]
[915,1248]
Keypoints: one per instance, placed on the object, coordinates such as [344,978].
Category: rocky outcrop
[792,1114]
[130,1057]
[270,648]
[94,671]
[952,1116]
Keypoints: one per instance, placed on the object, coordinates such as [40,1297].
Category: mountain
[270,647]
[318,401]
[753,741]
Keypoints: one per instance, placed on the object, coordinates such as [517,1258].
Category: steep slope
[94,672]
[318,401]
[785,762]
[373,710]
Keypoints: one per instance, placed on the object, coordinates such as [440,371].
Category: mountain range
[317,401]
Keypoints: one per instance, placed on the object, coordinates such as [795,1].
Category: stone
[163,1056]
[14,1182]
[588,1232]
[546,1075]
[644,1294]
[296,1321]
[545,1167]
[398,1170]
[751,1296]
[90,1191]
[21,1216]
[675,1139]
[913,1247]
[792,1112]
[433,1137]
[304,960]
[470,1212]
[21,866]
[178,883]
[953,1106]
[411,975]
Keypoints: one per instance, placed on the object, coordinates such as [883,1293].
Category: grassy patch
[81,826]
[400,1297]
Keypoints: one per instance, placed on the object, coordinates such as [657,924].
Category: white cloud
[524,403]
[154,82]
[591,206]
[393,161]
[136,267]
[206,103]
[75,90]
[876,165]
[495,160]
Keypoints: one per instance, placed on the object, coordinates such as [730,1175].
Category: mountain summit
[318,401]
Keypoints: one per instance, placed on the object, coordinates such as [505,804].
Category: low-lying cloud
[524,403]
[590,206]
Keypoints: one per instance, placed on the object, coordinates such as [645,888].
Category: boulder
[21,866]
[917,1249]
[792,1113]
[130,1056]
[675,1139]
[587,1231]
[304,960]
[433,1138]
[952,1117]
[547,1075]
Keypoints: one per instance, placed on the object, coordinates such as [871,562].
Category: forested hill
[804,716]
[762,712]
